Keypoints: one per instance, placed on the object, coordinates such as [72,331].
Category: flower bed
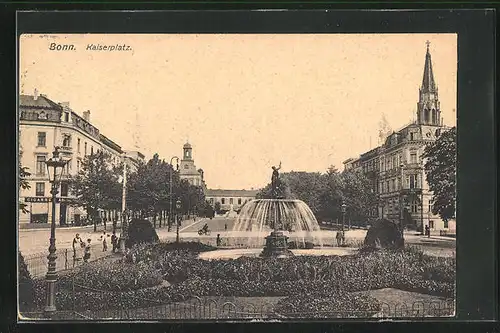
[129,285]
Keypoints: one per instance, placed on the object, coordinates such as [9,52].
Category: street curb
[59,228]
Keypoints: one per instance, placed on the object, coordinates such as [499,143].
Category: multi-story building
[396,167]
[230,200]
[43,126]
[188,169]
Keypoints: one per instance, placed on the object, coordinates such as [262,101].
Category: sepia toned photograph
[238,177]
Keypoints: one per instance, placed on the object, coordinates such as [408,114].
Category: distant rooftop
[40,101]
[231,193]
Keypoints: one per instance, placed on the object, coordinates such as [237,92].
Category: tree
[24,185]
[217,207]
[149,188]
[440,170]
[95,186]
[306,186]
[324,193]
[358,195]
[330,198]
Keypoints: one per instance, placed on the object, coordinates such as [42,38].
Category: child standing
[104,242]
[86,256]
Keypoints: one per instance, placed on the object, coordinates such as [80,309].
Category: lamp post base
[50,307]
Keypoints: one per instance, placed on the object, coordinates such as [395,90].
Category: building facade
[396,168]
[230,200]
[43,126]
[187,168]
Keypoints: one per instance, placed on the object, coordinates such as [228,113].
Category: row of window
[42,142]
[41,166]
[389,162]
[40,189]
[231,201]
[40,159]
[412,182]
[393,206]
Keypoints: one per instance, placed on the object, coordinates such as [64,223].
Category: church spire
[428,83]
[428,108]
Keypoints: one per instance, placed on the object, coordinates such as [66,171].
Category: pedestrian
[339,238]
[225,226]
[86,256]
[218,240]
[114,241]
[427,231]
[104,242]
[77,241]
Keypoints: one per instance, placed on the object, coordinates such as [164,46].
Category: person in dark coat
[114,242]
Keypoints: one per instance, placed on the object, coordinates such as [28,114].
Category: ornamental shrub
[140,231]
[383,234]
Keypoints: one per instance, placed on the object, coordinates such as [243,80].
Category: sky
[244,102]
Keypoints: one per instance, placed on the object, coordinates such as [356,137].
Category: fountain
[270,223]
[277,215]
[278,219]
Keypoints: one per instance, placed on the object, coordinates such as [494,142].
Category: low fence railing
[66,259]
[209,309]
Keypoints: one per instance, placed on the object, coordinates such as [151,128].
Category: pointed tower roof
[428,83]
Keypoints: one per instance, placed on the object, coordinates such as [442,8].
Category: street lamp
[178,207]
[170,198]
[55,169]
[343,209]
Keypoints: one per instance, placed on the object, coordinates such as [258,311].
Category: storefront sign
[48,199]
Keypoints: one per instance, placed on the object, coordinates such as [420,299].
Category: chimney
[86,115]
[35,94]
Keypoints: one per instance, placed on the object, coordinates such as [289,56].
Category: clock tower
[428,106]
[188,169]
